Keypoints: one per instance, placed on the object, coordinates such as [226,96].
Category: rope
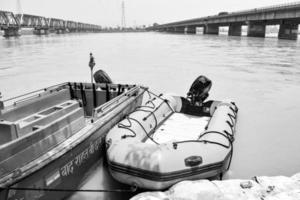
[158,96]
[228,137]
[132,189]
[139,108]
[151,138]
[134,133]
[230,159]
[153,105]
[165,100]
[151,113]
[127,127]
[231,117]
[225,133]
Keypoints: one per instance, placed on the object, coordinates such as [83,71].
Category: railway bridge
[11,23]
[287,16]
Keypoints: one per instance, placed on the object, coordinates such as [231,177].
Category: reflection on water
[262,75]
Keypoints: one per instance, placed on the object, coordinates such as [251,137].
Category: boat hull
[62,173]
[67,168]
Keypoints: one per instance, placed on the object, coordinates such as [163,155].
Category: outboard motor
[101,76]
[199,90]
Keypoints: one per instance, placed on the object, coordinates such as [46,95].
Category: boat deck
[179,127]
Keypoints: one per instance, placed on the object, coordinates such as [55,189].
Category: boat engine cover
[101,76]
[199,90]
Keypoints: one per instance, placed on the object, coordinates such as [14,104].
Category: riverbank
[258,188]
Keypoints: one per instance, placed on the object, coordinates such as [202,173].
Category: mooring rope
[132,189]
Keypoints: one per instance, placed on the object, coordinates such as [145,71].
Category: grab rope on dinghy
[127,127]
[225,133]
[151,113]
[229,137]
[160,97]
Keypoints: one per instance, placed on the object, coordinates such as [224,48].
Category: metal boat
[50,138]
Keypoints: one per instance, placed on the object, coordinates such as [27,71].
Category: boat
[169,139]
[49,138]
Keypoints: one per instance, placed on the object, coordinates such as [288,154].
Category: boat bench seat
[44,117]
[12,130]
[43,138]
[8,131]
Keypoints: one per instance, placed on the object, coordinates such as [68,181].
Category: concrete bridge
[12,23]
[286,15]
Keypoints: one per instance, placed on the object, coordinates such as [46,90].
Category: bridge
[287,16]
[11,23]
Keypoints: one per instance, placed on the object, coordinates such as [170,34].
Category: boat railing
[31,95]
[38,93]
[106,107]
[102,85]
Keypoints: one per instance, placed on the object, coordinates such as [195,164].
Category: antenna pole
[123,21]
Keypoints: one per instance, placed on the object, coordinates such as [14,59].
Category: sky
[137,12]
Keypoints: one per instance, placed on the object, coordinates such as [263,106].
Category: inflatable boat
[169,139]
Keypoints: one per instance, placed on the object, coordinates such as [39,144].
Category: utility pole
[123,21]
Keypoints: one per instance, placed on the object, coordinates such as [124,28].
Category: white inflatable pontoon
[167,140]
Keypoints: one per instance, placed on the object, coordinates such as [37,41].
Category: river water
[262,75]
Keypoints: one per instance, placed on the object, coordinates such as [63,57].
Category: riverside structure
[11,23]
[285,15]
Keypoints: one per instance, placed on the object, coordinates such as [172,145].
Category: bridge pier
[41,31]
[170,29]
[73,30]
[235,30]
[190,30]
[288,30]
[211,29]
[60,31]
[256,29]
[11,31]
[179,29]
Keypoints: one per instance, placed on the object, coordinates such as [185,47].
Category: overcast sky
[139,12]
